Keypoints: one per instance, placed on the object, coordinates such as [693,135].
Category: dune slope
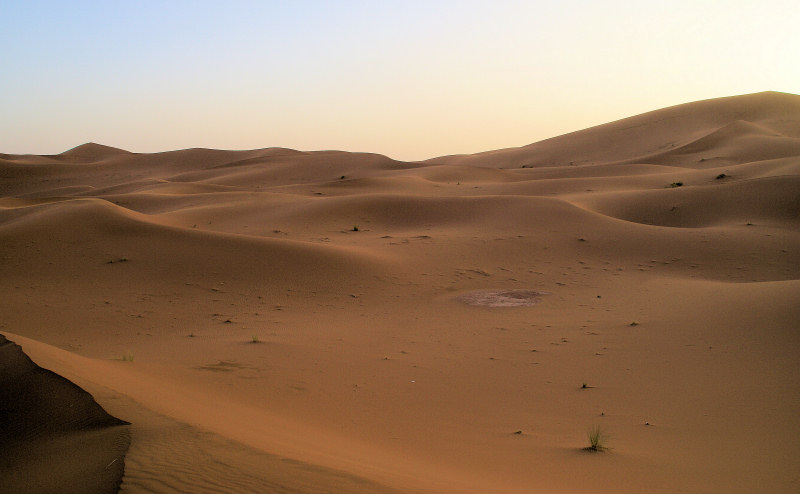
[55,437]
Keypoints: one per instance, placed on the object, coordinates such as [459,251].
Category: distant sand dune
[643,135]
[91,152]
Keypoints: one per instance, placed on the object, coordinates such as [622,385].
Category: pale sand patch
[502,298]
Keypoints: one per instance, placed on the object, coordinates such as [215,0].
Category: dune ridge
[54,436]
[295,320]
[634,139]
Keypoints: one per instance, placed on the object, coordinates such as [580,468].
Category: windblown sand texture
[296,320]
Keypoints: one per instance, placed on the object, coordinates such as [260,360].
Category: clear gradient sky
[409,79]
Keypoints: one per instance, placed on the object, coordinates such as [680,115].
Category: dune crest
[47,420]
[91,152]
[634,138]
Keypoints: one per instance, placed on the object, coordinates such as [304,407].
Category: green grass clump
[127,357]
[597,439]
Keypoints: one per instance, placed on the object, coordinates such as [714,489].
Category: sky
[408,79]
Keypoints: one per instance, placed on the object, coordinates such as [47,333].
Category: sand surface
[284,321]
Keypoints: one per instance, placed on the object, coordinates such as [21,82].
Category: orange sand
[678,307]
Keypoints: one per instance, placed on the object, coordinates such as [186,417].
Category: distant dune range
[276,320]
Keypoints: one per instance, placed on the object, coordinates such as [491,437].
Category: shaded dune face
[364,324]
[52,434]
[38,402]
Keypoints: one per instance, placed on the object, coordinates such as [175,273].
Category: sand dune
[55,437]
[773,201]
[635,138]
[90,152]
[295,321]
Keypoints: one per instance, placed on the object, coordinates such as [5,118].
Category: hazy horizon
[408,80]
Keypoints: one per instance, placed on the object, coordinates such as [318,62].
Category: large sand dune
[55,437]
[296,320]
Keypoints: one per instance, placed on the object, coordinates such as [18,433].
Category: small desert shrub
[355,228]
[675,184]
[127,357]
[721,176]
[597,438]
[255,339]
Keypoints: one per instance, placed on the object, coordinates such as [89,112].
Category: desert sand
[286,321]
